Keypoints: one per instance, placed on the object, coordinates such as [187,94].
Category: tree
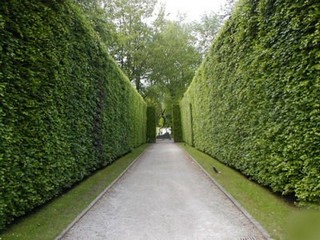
[205,31]
[159,56]
[173,59]
[98,19]
[207,28]
[227,9]
[132,22]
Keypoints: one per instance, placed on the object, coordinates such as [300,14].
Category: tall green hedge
[255,100]
[66,109]
[151,124]
[176,123]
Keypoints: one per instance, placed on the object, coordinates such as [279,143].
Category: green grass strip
[50,220]
[272,211]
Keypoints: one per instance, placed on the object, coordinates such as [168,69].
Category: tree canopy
[159,56]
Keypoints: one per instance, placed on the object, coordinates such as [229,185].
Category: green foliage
[186,120]
[255,99]
[205,31]
[66,109]
[173,60]
[151,124]
[177,130]
[132,34]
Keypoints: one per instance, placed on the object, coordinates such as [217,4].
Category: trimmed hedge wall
[66,109]
[176,124]
[151,124]
[254,101]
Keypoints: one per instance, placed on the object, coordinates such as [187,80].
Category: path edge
[87,209]
[260,228]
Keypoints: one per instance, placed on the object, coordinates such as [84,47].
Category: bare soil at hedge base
[164,195]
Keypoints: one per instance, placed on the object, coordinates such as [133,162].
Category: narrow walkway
[164,195]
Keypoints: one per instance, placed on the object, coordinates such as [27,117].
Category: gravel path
[164,195]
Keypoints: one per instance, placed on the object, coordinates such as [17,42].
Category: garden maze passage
[164,195]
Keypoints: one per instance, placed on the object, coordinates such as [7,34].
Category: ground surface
[164,195]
